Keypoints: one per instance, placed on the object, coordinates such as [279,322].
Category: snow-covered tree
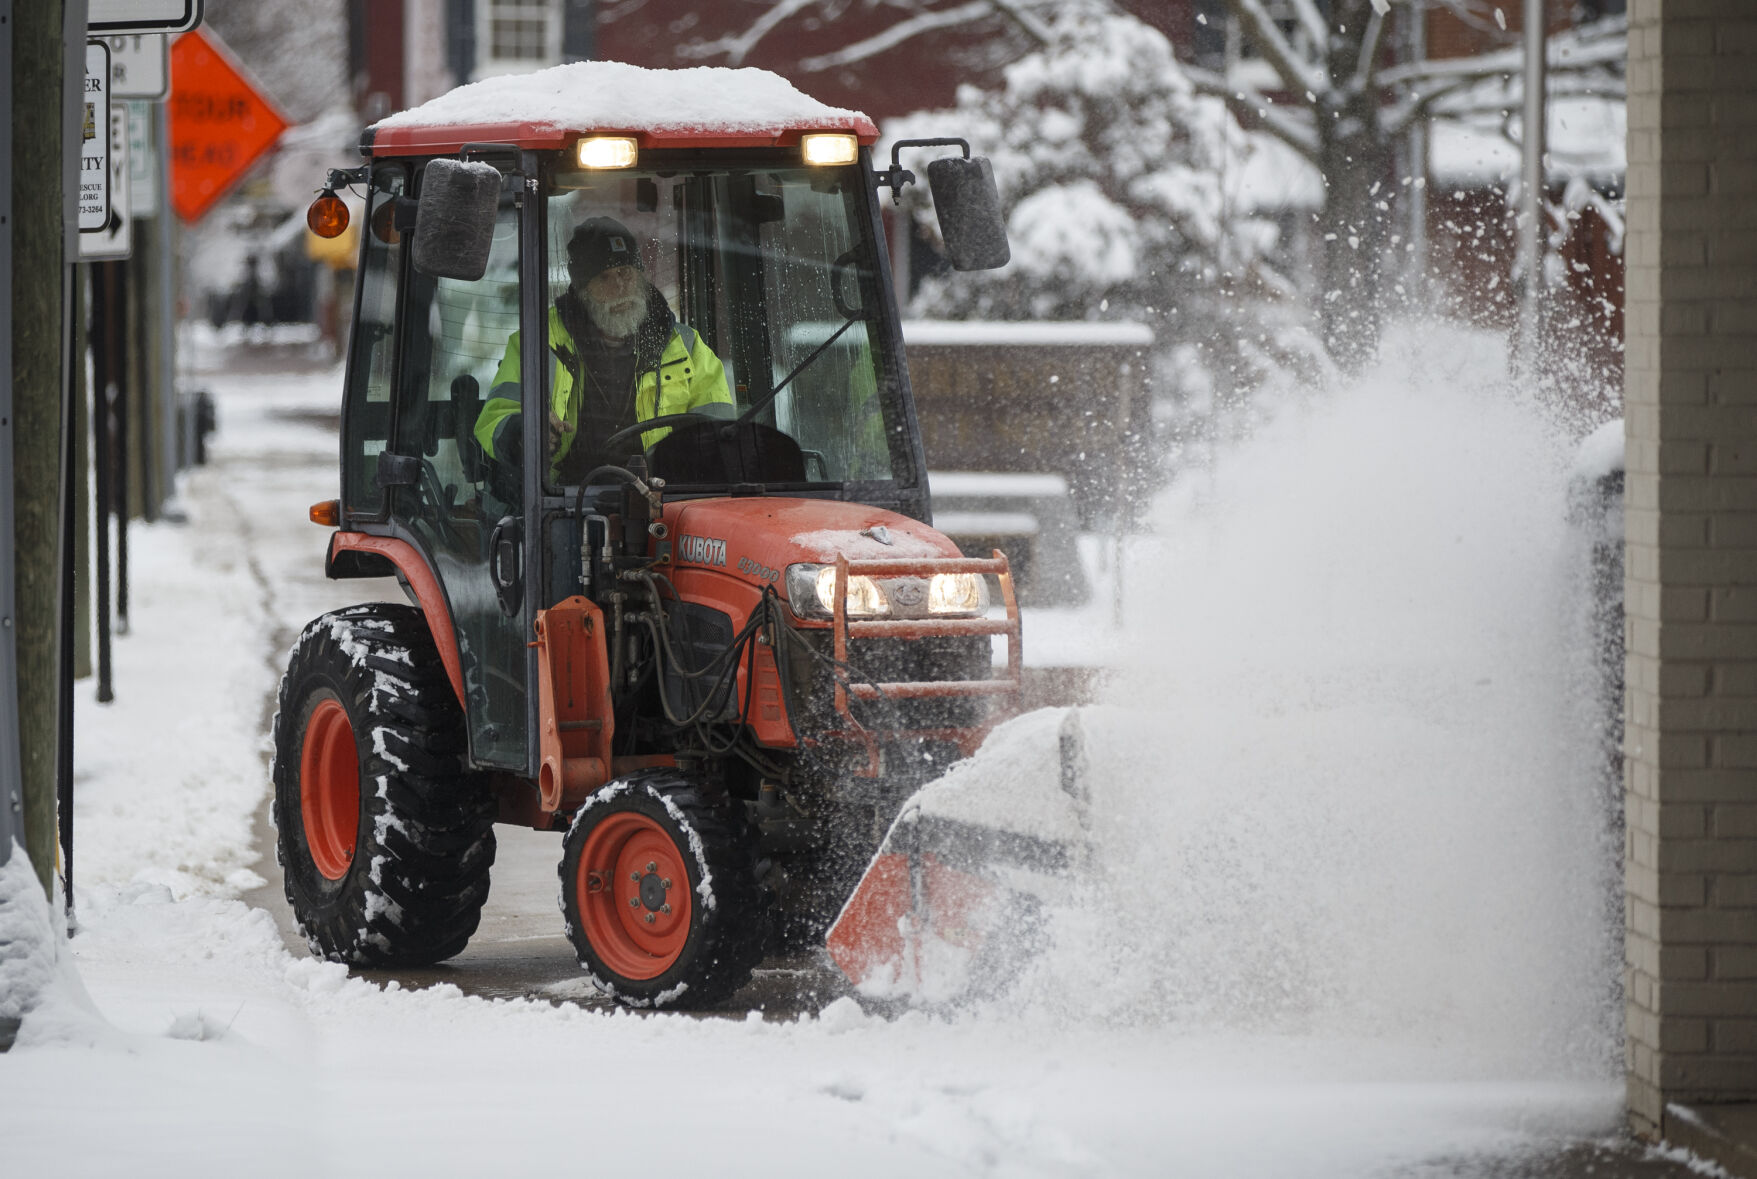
[1345,100]
[1121,184]
[1347,86]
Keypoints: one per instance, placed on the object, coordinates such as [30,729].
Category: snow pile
[612,96]
[41,995]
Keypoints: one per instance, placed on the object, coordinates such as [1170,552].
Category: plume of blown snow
[1346,784]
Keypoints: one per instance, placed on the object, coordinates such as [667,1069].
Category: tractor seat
[466,401]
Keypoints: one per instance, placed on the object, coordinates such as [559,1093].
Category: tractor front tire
[658,889]
[383,837]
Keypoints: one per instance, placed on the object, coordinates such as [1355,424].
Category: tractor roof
[700,107]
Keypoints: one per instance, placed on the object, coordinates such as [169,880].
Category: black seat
[727,452]
[466,407]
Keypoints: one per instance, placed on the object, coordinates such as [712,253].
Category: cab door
[464,512]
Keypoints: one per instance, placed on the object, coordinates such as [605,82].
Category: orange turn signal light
[328,215]
[328,513]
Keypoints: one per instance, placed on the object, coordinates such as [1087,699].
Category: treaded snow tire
[659,893]
[383,837]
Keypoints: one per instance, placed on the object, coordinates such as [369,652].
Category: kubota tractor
[717,661]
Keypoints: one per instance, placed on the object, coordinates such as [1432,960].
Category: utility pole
[1531,192]
[48,67]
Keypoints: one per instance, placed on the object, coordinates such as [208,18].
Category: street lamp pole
[1531,191]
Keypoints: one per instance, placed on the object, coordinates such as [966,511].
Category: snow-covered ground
[1348,918]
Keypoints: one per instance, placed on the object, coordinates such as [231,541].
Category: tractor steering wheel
[659,423]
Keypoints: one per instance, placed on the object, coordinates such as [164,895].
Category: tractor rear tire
[383,836]
[658,889]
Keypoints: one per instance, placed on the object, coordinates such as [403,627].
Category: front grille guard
[842,630]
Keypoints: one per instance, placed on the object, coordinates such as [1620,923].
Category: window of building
[517,35]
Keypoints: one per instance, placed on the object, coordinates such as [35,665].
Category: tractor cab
[626,411]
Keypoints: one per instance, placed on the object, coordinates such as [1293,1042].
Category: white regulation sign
[116,239]
[142,16]
[94,151]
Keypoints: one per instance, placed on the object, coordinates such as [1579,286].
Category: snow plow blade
[952,905]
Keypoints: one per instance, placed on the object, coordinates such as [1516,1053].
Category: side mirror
[454,219]
[969,209]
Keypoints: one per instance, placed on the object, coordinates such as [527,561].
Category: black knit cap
[597,245]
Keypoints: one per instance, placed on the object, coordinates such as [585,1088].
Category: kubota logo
[701,550]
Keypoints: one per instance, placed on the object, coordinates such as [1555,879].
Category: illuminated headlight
[823,150]
[957,593]
[812,591]
[606,151]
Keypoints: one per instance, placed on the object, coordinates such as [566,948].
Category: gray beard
[617,320]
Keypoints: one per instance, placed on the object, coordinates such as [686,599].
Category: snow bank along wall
[1691,582]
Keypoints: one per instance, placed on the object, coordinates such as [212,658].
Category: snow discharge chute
[951,906]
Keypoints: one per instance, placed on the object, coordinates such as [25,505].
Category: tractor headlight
[957,593]
[821,150]
[812,591]
[607,151]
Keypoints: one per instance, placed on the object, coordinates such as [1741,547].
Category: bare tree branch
[1253,107]
[1312,21]
[1369,53]
[898,33]
[1603,47]
[1297,75]
[736,48]
[1032,26]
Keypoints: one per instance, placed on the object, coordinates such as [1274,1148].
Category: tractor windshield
[700,297]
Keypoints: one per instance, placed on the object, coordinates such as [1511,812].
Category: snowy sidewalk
[212,1051]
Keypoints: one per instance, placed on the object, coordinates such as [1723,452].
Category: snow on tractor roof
[705,106]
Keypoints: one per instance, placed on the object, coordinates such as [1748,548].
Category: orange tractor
[718,660]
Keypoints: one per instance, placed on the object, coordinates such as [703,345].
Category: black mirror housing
[454,219]
[969,208]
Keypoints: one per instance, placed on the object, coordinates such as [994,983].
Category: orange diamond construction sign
[220,123]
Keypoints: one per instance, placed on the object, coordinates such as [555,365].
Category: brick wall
[1691,581]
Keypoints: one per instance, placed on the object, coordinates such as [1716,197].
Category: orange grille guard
[842,629]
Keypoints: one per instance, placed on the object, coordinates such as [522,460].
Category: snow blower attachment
[627,413]
[952,906]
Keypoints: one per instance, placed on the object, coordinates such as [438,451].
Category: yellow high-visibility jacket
[686,375]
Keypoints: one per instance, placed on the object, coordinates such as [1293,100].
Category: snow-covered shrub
[1122,187]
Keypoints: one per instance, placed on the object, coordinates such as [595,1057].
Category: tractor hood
[755,539]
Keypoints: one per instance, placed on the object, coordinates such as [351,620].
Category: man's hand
[558,430]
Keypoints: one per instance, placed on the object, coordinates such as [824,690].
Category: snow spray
[1346,784]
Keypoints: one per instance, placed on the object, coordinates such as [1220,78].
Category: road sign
[142,16]
[115,240]
[94,152]
[143,161]
[220,123]
[140,65]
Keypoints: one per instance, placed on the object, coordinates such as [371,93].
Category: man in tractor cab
[619,357]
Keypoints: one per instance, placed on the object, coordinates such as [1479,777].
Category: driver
[618,356]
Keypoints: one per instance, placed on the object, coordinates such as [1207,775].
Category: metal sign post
[11,775]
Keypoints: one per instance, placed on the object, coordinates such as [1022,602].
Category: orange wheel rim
[329,789]
[634,895]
